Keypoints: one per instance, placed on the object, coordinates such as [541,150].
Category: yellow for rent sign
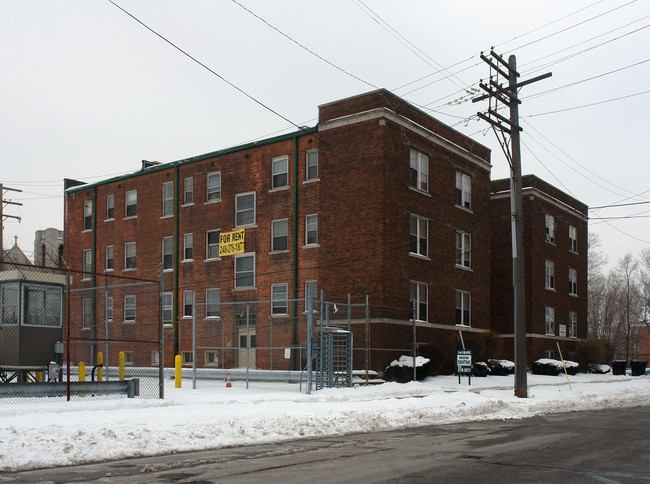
[231,243]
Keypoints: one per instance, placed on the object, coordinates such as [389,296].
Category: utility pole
[3,215]
[498,94]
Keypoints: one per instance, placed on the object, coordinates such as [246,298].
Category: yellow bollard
[39,376]
[100,368]
[178,374]
[82,373]
[121,365]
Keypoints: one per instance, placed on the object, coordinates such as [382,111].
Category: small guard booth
[31,322]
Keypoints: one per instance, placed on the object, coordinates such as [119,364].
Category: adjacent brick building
[378,199]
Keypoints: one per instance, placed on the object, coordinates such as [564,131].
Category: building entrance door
[243,354]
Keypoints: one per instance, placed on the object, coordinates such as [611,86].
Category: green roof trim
[206,156]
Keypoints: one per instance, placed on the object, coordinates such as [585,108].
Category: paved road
[607,446]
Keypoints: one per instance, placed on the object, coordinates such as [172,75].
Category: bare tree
[596,288]
[631,304]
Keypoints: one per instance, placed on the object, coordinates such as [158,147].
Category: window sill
[279,189]
[216,200]
[128,322]
[214,259]
[275,252]
[130,269]
[212,318]
[242,289]
[249,226]
[187,318]
[168,270]
[130,217]
[187,260]
[417,190]
[109,270]
[84,231]
[464,209]
[109,219]
[463,325]
[419,256]
[189,204]
[168,324]
[311,246]
[464,268]
[167,216]
[573,295]
[550,242]
[552,289]
[311,180]
[283,315]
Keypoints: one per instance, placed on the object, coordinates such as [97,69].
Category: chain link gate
[333,357]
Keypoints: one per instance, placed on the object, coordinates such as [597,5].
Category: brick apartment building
[555,251]
[378,199]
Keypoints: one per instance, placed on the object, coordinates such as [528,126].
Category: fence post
[248,340]
[161,344]
[193,340]
[321,370]
[367,338]
[67,342]
[310,322]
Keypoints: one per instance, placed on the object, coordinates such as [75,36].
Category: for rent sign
[231,243]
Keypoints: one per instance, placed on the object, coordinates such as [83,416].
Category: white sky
[34,435]
[87,92]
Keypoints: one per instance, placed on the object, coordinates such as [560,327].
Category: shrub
[401,370]
[547,366]
[501,367]
[594,352]
[480,368]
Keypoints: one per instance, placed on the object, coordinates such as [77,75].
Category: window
[168,199]
[573,282]
[573,239]
[245,209]
[463,190]
[280,235]
[188,358]
[463,249]
[463,300]
[311,229]
[311,289]
[87,263]
[43,305]
[188,246]
[212,244]
[129,309]
[212,303]
[167,307]
[211,358]
[109,308]
[311,172]
[155,358]
[129,255]
[110,263]
[549,319]
[549,354]
[213,187]
[187,304]
[87,313]
[549,223]
[573,324]
[10,304]
[129,358]
[88,215]
[419,300]
[280,172]
[419,172]
[110,207]
[188,190]
[244,270]
[279,299]
[168,253]
[419,235]
[549,269]
[131,203]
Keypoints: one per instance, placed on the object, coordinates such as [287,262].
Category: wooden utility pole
[3,216]
[499,94]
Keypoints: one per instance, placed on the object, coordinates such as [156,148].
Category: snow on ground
[35,435]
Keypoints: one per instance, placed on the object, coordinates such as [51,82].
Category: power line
[588,105]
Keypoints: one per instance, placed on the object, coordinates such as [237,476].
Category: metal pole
[310,322]
[193,340]
[415,352]
[367,339]
[518,263]
[321,370]
[108,377]
[271,340]
[248,341]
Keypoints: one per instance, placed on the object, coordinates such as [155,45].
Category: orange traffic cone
[228,384]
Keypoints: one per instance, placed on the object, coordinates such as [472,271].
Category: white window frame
[108,308]
[87,263]
[463,249]
[88,215]
[463,308]
[168,253]
[279,299]
[110,257]
[419,171]
[549,274]
[187,304]
[213,187]
[280,172]
[210,358]
[549,226]
[419,236]
[241,215]
[167,307]
[573,239]
[130,305]
[311,229]
[573,281]
[188,244]
[419,294]
[86,313]
[311,165]
[168,199]
[238,258]
[573,324]
[129,358]
[187,358]
[212,247]
[127,256]
[131,202]
[110,207]
[549,320]
[188,190]
[280,234]
[463,190]
[211,301]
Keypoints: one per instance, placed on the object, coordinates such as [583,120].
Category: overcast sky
[87,92]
